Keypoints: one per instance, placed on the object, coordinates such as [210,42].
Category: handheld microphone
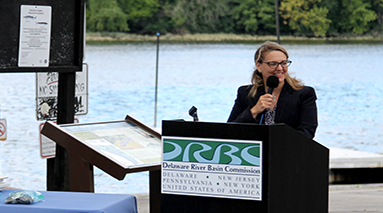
[193,113]
[271,82]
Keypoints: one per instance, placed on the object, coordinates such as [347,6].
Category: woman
[291,102]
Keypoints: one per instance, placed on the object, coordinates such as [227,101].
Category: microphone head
[193,113]
[192,110]
[272,81]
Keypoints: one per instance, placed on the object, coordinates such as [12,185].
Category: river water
[346,78]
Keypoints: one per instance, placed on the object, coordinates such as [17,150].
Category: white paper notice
[35,35]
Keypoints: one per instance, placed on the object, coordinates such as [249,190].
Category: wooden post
[81,176]
[155,191]
[58,167]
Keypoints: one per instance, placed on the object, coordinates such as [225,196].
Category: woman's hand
[264,102]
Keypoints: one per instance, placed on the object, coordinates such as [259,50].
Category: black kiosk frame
[295,169]
[66,37]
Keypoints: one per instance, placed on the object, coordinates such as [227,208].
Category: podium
[294,169]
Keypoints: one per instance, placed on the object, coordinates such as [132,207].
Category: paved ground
[342,199]
[142,202]
[356,198]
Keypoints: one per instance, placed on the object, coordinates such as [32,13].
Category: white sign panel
[35,35]
[47,146]
[47,91]
[212,168]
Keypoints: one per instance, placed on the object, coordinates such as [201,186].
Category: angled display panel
[117,147]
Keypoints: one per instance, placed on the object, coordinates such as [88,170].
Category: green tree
[105,15]
[303,15]
[334,8]
[317,21]
[136,9]
[377,6]
[142,14]
[197,15]
[254,16]
[308,17]
[356,16]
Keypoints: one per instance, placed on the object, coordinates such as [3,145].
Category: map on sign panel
[123,142]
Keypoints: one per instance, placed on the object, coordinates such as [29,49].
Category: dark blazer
[296,108]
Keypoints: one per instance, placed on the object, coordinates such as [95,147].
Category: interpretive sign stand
[230,167]
[116,147]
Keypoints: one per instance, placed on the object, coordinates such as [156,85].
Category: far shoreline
[118,37]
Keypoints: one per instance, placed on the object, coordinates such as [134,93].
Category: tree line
[317,18]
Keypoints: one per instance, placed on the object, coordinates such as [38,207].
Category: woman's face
[272,58]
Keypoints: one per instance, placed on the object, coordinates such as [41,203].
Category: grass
[117,37]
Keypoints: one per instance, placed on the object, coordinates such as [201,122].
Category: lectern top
[122,141]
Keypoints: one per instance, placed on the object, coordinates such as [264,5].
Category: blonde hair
[257,78]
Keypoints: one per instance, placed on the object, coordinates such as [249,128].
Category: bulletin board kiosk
[46,36]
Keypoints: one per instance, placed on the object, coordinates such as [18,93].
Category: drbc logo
[217,152]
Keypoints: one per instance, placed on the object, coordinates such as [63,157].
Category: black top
[296,108]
